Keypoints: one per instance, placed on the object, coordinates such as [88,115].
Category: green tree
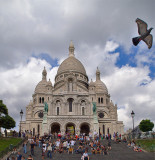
[3,108]
[146,125]
[6,121]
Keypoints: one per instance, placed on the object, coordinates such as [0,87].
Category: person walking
[24,147]
[32,147]
[49,150]
[19,156]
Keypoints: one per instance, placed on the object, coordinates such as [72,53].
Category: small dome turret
[71,49]
[92,84]
[97,74]
[100,87]
[49,83]
[44,73]
[41,86]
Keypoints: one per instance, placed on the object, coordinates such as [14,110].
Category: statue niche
[83,104]
[70,84]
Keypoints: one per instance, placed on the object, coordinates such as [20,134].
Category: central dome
[71,64]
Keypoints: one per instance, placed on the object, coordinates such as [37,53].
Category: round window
[40,114]
[101,115]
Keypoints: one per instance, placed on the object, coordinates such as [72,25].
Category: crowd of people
[69,144]
[136,148]
[82,144]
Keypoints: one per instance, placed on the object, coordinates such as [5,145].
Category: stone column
[44,124]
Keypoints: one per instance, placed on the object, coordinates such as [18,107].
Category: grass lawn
[147,144]
[5,142]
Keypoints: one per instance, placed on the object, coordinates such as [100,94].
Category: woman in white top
[85,155]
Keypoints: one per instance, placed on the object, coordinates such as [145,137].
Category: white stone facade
[70,102]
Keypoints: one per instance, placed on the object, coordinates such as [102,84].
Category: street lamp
[132,115]
[21,114]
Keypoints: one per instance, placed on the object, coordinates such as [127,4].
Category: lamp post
[21,114]
[133,115]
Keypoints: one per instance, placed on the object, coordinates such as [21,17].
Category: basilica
[70,103]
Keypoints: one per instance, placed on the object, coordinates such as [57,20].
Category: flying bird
[144,34]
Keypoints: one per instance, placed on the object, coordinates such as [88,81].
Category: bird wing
[148,40]
[142,26]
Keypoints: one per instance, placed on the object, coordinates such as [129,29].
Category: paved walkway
[119,152]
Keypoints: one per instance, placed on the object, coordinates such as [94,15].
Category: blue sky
[47,58]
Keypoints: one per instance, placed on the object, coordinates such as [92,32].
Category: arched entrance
[103,129]
[55,128]
[84,128]
[70,128]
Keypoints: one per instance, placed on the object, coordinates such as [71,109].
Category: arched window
[70,101]
[48,98]
[103,129]
[57,103]
[83,111]
[108,130]
[39,99]
[92,98]
[101,100]
[42,99]
[70,84]
[98,100]
[38,129]
[33,131]
[83,103]
[57,110]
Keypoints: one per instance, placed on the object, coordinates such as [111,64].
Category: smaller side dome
[92,84]
[49,83]
[41,86]
[99,85]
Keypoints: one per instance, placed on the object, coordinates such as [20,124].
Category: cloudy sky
[34,34]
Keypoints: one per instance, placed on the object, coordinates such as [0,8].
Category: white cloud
[111,46]
[126,91]
[19,83]
[28,27]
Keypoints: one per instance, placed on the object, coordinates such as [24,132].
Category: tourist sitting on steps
[98,150]
[70,150]
[85,155]
[105,151]
[14,150]
[80,149]
[43,150]
[30,157]
[65,146]
[109,145]
[60,147]
[93,150]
